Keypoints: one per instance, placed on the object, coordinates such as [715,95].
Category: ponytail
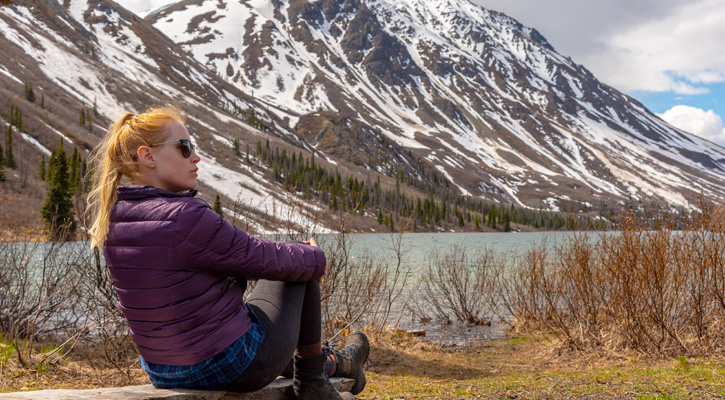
[114,162]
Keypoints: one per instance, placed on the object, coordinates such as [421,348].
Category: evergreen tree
[89,120]
[41,172]
[492,218]
[4,3]
[85,176]
[9,159]
[29,95]
[333,203]
[75,172]
[218,206]
[506,223]
[569,223]
[42,100]
[19,120]
[16,118]
[57,211]
[236,147]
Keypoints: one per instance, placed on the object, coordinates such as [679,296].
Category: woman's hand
[312,242]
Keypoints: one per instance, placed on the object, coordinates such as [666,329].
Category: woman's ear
[145,157]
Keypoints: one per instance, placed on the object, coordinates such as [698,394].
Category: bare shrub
[107,328]
[645,290]
[582,289]
[526,293]
[351,291]
[461,285]
[702,262]
[55,294]
[395,284]
[39,283]
[363,290]
[652,290]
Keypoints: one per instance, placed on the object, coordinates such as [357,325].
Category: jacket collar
[135,192]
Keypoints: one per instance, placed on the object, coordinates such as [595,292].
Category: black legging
[291,315]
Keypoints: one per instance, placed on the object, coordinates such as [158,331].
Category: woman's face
[173,171]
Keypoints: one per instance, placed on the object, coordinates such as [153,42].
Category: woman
[177,268]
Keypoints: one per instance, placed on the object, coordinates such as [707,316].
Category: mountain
[485,100]
[88,62]
[312,114]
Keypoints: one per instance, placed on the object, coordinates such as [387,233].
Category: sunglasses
[186,146]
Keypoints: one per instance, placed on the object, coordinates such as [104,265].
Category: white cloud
[675,53]
[645,45]
[707,76]
[705,124]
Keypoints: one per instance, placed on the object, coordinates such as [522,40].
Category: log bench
[281,389]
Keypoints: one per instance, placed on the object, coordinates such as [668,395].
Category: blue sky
[668,54]
[663,101]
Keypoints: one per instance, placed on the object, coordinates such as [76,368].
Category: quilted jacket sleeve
[208,243]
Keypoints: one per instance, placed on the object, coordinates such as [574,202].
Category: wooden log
[281,389]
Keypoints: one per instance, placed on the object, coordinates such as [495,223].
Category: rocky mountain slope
[487,101]
[88,62]
[302,107]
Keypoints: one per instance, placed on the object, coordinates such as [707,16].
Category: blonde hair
[115,159]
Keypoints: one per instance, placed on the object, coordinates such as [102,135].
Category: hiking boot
[351,360]
[310,381]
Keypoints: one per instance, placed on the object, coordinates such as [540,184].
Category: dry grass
[62,371]
[532,369]
[401,367]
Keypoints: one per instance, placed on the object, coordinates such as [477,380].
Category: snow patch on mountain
[253,193]
[35,143]
[491,94]
[6,72]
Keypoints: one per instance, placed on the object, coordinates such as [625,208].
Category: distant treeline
[396,208]
[441,209]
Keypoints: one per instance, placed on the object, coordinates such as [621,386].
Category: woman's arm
[208,243]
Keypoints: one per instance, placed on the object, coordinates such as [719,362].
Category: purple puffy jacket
[170,256]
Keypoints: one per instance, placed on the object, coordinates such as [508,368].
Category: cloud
[672,54]
[578,28]
[647,45]
[705,124]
